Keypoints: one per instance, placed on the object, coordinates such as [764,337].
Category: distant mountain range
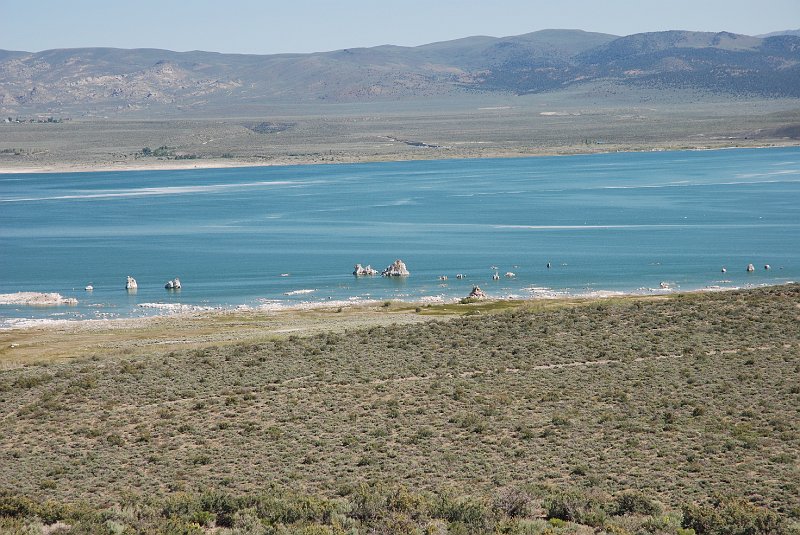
[106,80]
[784,32]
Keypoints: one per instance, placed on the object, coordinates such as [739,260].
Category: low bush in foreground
[390,510]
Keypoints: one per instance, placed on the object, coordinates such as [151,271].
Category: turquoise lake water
[623,222]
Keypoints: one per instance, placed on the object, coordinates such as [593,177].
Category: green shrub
[473,422]
[222,505]
[291,509]
[668,523]
[634,502]
[30,381]
[15,506]
[202,518]
[732,516]
[474,514]
[560,420]
[180,505]
[513,503]
[367,502]
[575,506]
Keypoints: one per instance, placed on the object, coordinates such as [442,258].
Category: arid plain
[569,122]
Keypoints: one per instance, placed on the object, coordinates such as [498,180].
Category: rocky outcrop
[396,269]
[174,284]
[364,271]
[750,268]
[131,283]
[476,293]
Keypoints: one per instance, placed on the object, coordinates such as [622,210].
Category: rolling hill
[105,80]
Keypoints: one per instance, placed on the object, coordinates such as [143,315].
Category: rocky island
[396,269]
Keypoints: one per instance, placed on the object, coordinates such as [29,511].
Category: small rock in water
[750,268]
[767,266]
[131,283]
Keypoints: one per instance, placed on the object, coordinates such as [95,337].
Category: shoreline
[169,311]
[153,336]
[234,163]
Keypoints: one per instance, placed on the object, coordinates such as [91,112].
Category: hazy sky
[266,27]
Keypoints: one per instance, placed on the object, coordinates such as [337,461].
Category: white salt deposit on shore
[176,307]
[36,299]
[541,292]
[276,306]
[591,294]
[432,299]
[24,323]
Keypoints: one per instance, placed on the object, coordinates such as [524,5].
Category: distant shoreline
[183,165]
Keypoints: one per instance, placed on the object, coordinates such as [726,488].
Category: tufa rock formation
[396,269]
[368,271]
[131,283]
[174,284]
[476,293]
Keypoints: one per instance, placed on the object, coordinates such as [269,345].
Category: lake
[276,236]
